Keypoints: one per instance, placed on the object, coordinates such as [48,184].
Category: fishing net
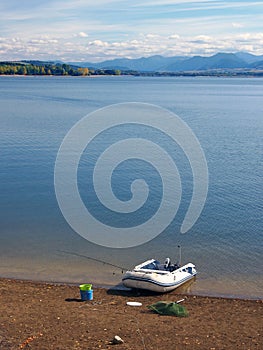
[169,308]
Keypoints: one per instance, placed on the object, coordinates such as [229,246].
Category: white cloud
[201,39]
[237,25]
[99,43]
[55,28]
[82,35]
[174,36]
[151,36]
[72,49]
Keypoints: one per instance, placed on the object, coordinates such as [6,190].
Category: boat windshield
[152,266]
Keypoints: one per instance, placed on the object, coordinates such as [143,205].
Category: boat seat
[167,263]
[160,267]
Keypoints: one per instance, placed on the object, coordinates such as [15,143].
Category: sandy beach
[50,316]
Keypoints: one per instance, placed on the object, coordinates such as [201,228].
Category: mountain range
[157,63]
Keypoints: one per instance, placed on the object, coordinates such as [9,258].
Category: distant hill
[218,61]
[248,57]
[220,64]
[257,65]
[159,63]
[143,64]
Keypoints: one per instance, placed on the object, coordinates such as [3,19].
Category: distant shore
[221,64]
[155,74]
[51,316]
[60,76]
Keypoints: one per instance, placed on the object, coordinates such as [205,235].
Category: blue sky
[84,30]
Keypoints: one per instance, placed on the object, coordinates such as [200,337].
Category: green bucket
[85,287]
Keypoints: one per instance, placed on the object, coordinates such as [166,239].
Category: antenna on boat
[180,254]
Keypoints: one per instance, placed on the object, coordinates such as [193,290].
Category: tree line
[13,68]
[59,69]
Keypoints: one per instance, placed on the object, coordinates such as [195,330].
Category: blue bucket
[86,295]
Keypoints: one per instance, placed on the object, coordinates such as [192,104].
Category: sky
[98,30]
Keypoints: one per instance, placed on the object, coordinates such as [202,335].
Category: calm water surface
[225,243]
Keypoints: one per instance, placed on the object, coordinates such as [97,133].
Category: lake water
[225,243]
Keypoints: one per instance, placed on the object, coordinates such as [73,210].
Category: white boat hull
[160,281]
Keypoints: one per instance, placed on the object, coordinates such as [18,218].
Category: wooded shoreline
[58,69]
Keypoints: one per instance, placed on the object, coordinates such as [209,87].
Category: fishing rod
[94,259]
[180,255]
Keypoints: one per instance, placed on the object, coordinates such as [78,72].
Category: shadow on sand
[119,289]
[76,300]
